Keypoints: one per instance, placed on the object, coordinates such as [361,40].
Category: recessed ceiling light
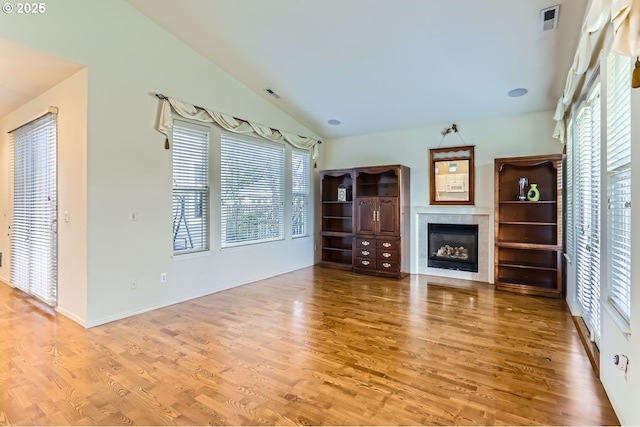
[514,93]
[334,122]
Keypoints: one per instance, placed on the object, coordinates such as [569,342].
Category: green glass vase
[534,194]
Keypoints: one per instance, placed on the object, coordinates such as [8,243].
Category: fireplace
[453,246]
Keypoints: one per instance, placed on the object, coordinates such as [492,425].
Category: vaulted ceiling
[382,65]
[373,65]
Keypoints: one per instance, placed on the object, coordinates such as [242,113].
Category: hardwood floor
[312,347]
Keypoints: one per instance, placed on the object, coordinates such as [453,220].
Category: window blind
[34,261]
[300,192]
[587,210]
[190,188]
[595,194]
[569,188]
[619,183]
[252,190]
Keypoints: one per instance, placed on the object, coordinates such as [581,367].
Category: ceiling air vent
[549,18]
[272,93]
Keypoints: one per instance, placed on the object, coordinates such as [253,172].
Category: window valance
[170,106]
[625,17]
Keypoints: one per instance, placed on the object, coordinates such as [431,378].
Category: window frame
[618,162]
[588,242]
[306,194]
[250,143]
[199,192]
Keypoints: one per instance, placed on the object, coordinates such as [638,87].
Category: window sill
[190,255]
[251,243]
[620,321]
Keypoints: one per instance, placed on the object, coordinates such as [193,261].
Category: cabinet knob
[365,253]
[364,262]
[386,244]
[386,254]
[386,265]
[365,243]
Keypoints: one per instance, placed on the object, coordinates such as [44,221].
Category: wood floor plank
[311,347]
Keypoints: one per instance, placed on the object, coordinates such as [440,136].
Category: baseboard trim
[589,346]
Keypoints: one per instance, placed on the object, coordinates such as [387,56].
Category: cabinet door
[365,215]
[388,220]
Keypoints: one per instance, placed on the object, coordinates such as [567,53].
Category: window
[619,183]
[34,265]
[300,190]
[252,190]
[587,210]
[190,188]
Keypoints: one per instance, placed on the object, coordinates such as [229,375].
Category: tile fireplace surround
[483,217]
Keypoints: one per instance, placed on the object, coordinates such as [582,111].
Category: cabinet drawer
[388,265]
[366,243]
[366,253]
[386,255]
[366,263]
[387,244]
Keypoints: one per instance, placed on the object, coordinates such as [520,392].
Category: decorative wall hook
[453,128]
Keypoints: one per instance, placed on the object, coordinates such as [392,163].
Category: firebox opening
[453,246]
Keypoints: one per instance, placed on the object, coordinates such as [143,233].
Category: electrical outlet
[623,362]
[163,277]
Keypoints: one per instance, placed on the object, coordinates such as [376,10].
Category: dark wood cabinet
[374,237]
[528,234]
[337,219]
[382,220]
[377,215]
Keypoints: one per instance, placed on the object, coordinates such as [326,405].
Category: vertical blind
[619,183]
[34,220]
[300,190]
[190,188]
[587,210]
[252,190]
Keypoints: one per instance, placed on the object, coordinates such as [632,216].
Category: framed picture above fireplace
[452,176]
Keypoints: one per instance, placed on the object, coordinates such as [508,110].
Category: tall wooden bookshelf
[337,219]
[528,234]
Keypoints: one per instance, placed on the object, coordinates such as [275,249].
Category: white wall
[128,57]
[70,97]
[500,137]
[521,135]
[623,390]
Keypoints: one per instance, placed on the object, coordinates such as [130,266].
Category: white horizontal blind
[252,190]
[569,190]
[587,210]
[190,188]
[619,183]
[300,189]
[595,193]
[34,258]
